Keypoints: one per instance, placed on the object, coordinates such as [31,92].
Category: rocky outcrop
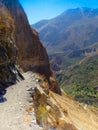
[8,52]
[49,113]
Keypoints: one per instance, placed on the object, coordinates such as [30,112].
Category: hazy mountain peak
[74,28]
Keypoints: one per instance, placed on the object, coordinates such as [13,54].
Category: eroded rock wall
[9,72]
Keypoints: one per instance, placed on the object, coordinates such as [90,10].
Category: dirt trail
[13,114]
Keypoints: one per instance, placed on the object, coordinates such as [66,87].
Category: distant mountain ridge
[72,30]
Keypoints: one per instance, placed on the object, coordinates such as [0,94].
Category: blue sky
[37,10]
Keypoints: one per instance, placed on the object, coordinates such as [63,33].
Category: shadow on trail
[2,98]
[3,91]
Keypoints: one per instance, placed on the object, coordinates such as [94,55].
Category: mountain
[69,36]
[31,55]
[71,40]
[72,30]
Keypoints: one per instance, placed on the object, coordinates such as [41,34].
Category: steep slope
[63,113]
[72,30]
[81,115]
[9,72]
[32,54]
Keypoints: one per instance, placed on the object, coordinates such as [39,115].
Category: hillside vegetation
[81,80]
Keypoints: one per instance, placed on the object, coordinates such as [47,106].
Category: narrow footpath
[16,112]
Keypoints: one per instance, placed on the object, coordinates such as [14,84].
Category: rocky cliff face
[32,56]
[8,51]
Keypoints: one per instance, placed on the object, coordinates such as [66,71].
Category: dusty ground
[82,116]
[14,113]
